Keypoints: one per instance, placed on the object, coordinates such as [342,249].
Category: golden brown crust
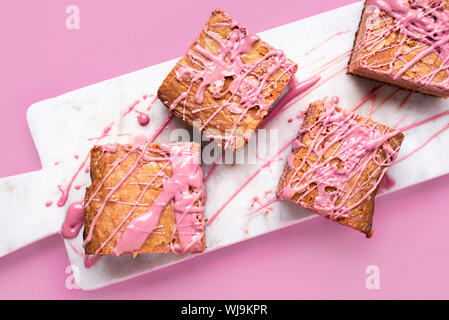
[172,88]
[128,193]
[384,52]
[360,218]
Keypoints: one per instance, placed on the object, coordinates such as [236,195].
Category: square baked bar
[404,43]
[337,164]
[227,81]
[145,198]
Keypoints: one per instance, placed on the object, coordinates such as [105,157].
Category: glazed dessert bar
[404,43]
[145,198]
[226,82]
[337,164]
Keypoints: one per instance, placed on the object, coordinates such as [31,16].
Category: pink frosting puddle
[73,221]
[143,119]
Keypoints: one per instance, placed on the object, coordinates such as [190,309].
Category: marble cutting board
[61,128]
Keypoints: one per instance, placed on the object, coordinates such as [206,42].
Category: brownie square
[404,43]
[227,81]
[337,164]
[136,185]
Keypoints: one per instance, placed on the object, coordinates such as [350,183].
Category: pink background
[40,58]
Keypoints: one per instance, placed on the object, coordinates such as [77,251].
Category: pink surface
[40,58]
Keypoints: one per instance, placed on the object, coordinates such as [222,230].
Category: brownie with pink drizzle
[337,164]
[146,198]
[404,43]
[227,81]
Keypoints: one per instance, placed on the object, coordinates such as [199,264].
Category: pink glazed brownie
[145,199]
[404,43]
[337,164]
[227,81]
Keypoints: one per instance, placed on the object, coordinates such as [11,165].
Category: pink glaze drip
[48,203]
[420,123]
[105,133]
[187,175]
[335,100]
[254,200]
[155,97]
[265,165]
[371,95]
[295,89]
[424,20]
[387,183]
[90,261]
[65,192]
[211,171]
[110,147]
[161,128]
[403,103]
[332,62]
[302,96]
[247,89]
[143,119]
[357,146]
[131,108]
[436,134]
[326,40]
[73,221]
[391,96]
[266,193]
[264,205]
